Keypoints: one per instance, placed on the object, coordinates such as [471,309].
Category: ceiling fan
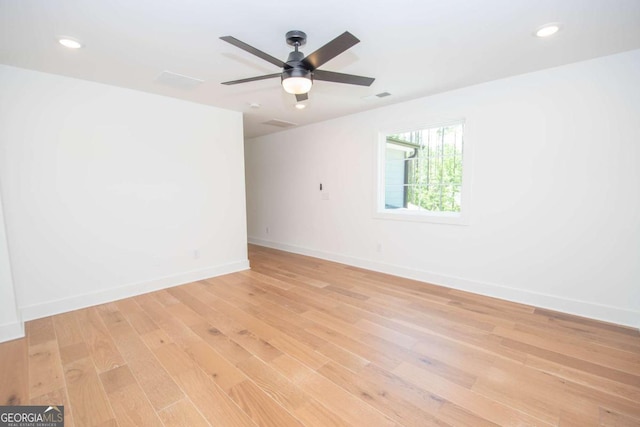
[299,71]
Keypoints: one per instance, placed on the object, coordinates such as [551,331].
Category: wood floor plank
[385,399]
[56,398]
[607,342]
[474,402]
[223,372]
[274,384]
[592,324]
[299,350]
[71,342]
[314,414]
[67,329]
[156,338]
[466,358]
[305,342]
[173,329]
[585,365]
[622,361]
[137,318]
[128,401]
[388,360]
[539,393]
[283,389]
[14,373]
[45,368]
[214,404]
[87,398]
[292,369]
[288,323]
[182,414]
[98,340]
[237,325]
[265,279]
[485,341]
[261,407]
[609,418]
[587,379]
[335,398]
[157,384]
[223,344]
[382,332]
[458,416]
[39,331]
[165,298]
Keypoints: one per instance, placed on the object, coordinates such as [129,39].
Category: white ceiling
[413,48]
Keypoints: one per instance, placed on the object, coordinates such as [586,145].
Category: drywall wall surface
[554,209]
[110,192]
[10,324]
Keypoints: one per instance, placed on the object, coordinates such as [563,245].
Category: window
[421,174]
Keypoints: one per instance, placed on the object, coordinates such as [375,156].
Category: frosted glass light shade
[297,85]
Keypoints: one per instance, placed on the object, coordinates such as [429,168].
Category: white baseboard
[552,302]
[11,331]
[50,308]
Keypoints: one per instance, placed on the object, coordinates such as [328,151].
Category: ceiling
[413,48]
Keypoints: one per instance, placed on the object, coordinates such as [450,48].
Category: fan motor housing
[295,57]
[296,72]
[297,67]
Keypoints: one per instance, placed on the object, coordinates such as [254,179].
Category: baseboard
[552,302]
[11,331]
[50,308]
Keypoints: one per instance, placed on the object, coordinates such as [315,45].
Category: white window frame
[452,218]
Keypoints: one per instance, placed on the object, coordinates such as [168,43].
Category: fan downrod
[296,38]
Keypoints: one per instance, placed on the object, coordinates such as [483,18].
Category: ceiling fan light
[297,85]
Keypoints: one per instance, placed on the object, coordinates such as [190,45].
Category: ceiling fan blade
[330,50]
[330,76]
[252,50]
[252,79]
[302,97]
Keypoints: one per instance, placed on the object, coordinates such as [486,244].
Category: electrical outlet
[379,247]
[267,230]
[196,253]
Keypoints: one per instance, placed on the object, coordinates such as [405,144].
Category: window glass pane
[394,196]
[424,169]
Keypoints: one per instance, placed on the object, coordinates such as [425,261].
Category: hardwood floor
[301,341]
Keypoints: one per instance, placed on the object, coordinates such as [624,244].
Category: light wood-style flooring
[301,341]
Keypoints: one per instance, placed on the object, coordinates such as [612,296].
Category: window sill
[448,218]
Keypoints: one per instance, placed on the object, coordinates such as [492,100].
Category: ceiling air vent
[376,96]
[279,123]
[178,80]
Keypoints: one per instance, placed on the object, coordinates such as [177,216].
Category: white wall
[110,192]
[10,325]
[555,212]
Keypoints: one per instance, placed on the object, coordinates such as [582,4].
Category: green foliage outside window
[433,168]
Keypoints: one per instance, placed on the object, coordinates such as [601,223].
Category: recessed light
[70,43]
[300,106]
[548,30]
